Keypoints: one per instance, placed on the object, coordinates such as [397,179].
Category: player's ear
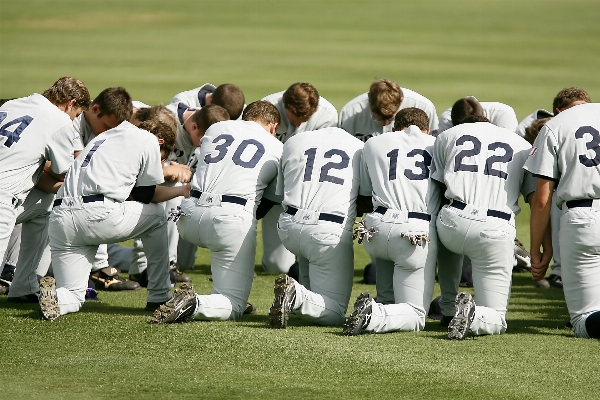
[95,109]
[273,128]
[161,141]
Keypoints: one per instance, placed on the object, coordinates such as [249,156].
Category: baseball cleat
[108,279]
[48,299]
[180,277]
[465,313]
[522,256]
[177,309]
[555,281]
[283,303]
[250,309]
[358,321]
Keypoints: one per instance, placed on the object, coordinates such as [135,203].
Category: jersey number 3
[14,135]
[593,144]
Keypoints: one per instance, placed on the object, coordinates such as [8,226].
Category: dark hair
[471,119]
[566,97]
[208,115]
[301,99]
[231,98]
[411,116]
[160,113]
[115,101]
[464,108]
[261,111]
[161,131]
[66,89]
[534,129]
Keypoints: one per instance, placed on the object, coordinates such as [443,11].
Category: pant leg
[186,254]
[276,258]
[580,243]
[229,232]
[12,250]
[101,258]
[139,262]
[119,256]
[449,266]
[328,249]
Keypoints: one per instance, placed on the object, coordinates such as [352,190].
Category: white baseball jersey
[113,163]
[238,158]
[528,120]
[184,147]
[570,153]
[321,172]
[325,116]
[499,114]
[194,97]
[81,128]
[356,117]
[395,171]
[30,134]
[475,160]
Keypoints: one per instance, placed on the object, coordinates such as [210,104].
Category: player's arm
[264,207]
[48,170]
[175,172]
[364,205]
[48,183]
[539,225]
[164,193]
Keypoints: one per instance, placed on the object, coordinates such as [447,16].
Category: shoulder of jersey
[359,102]
[408,93]
[274,98]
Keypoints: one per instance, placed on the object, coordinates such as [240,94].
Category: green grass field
[518,52]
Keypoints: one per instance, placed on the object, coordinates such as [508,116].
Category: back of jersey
[482,164]
[27,139]
[568,149]
[395,171]
[113,163]
[321,172]
[238,158]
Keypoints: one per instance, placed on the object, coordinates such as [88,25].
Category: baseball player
[321,173]
[538,114]
[372,113]
[227,95]
[564,99]
[301,109]
[237,169]
[30,135]
[566,150]
[93,207]
[481,166]
[499,114]
[395,172]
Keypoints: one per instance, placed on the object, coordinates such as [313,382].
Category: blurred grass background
[517,52]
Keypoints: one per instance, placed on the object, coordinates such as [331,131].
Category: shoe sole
[48,299]
[465,313]
[176,309]
[278,316]
[354,323]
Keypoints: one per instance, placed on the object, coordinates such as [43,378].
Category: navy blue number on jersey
[409,174]
[324,175]
[88,156]
[248,160]
[14,135]
[593,144]
[505,157]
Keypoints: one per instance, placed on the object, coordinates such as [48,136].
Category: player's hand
[175,172]
[539,263]
[185,190]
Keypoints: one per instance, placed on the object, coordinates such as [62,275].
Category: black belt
[86,199]
[226,198]
[490,213]
[322,216]
[382,210]
[579,203]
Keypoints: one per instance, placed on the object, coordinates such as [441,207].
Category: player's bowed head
[69,95]
[301,101]
[385,97]
[263,113]
[411,116]
[569,97]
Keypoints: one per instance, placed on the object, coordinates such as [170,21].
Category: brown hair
[261,111]
[301,99]
[534,129]
[161,131]
[231,98]
[411,116]
[385,97]
[471,119]
[208,115]
[464,108]
[159,113]
[115,101]
[568,96]
[66,89]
